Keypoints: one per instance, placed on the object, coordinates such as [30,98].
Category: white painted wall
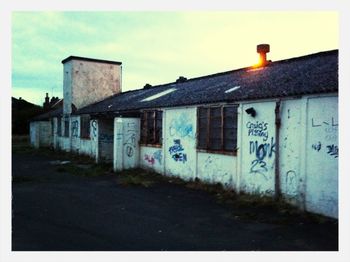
[86,82]
[75,133]
[152,158]
[291,178]
[40,134]
[179,138]
[217,168]
[34,134]
[258,149]
[322,156]
[126,143]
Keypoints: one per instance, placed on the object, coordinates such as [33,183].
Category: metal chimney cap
[263,48]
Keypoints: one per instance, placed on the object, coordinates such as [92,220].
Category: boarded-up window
[66,127]
[217,128]
[59,126]
[85,126]
[151,127]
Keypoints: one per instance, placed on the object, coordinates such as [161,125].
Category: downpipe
[277,150]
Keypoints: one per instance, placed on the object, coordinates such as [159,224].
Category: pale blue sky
[157,47]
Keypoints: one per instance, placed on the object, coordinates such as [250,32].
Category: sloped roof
[311,74]
[46,116]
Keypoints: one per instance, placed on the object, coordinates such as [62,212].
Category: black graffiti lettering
[332,150]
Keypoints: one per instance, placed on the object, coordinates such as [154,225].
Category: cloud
[157,47]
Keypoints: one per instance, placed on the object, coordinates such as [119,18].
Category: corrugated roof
[311,74]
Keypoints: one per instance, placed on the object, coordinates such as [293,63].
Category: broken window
[66,127]
[85,126]
[151,127]
[59,126]
[217,128]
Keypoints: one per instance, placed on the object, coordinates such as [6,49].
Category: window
[66,127]
[59,126]
[85,126]
[151,127]
[217,128]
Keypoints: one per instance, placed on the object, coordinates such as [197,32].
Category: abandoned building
[270,129]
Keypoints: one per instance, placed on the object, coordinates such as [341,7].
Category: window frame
[151,137]
[207,125]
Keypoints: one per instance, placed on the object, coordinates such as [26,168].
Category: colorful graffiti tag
[152,158]
[181,127]
[176,151]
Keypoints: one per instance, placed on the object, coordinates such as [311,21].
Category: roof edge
[69,58]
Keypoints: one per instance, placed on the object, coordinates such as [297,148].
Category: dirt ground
[69,206]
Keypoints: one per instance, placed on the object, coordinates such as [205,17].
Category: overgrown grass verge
[139,177]
[90,170]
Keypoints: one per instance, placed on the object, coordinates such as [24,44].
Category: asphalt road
[55,211]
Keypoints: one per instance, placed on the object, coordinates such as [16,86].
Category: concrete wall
[258,149]
[291,177]
[217,168]
[126,143]
[34,134]
[179,141]
[152,158]
[321,149]
[74,143]
[40,134]
[86,82]
[308,151]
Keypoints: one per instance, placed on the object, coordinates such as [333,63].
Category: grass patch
[139,177]
[88,171]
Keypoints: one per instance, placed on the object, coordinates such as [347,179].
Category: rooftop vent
[262,49]
[181,79]
[146,86]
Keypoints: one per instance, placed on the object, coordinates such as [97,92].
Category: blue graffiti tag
[158,156]
[176,151]
[181,126]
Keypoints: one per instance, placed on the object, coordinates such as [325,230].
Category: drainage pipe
[277,150]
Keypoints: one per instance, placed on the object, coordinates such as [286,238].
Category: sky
[158,47]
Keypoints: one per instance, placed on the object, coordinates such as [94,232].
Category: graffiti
[316,123]
[181,127]
[94,128]
[262,150]
[258,167]
[106,138]
[331,133]
[129,151]
[258,129]
[151,159]
[176,151]
[214,169]
[317,146]
[332,150]
[130,139]
[291,182]
[158,156]
[75,128]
